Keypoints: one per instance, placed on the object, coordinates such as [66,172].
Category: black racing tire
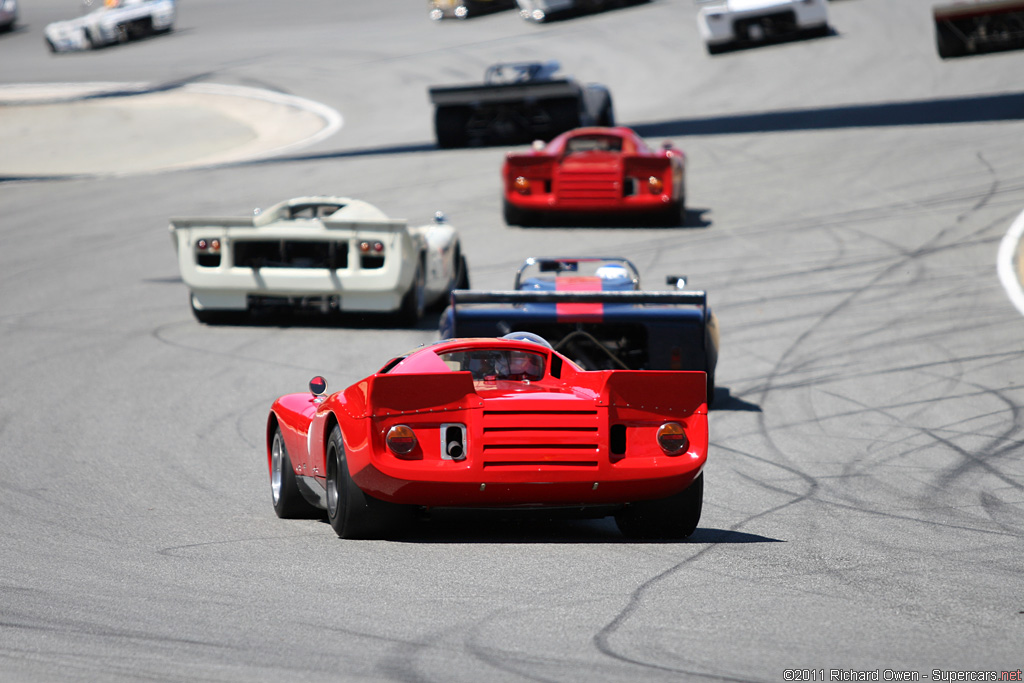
[675,517]
[209,316]
[351,512]
[711,387]
[607,117]
[675,214]
[462,280]
[450,126]
[517,216]
[414,303]
[716,49]
[284,491]
[948,42]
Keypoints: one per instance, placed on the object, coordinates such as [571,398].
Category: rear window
[594,143]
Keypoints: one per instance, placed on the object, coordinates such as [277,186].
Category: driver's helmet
[522,335]
[525,364]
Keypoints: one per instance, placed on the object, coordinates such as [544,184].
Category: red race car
[592,171]
[493,423]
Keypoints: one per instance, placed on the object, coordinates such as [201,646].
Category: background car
[115,21]
[594,311]
[518,102]
[963,28]
[324,253]
[463,9]
[483,423]
[542,10]
[738,23]
[591,171]
[8,14]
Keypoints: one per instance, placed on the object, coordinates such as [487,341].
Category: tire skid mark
[602,639]
[770,384]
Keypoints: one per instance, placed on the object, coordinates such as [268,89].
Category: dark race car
[517,103]
[594,311]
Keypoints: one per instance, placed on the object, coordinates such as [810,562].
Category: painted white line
[1006,262]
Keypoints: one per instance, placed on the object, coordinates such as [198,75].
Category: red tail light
[672,438]
[522,185]
[654,182]
[401,440]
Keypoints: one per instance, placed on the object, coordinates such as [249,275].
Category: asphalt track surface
[863,505]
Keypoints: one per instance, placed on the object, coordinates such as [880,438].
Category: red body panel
[583,438]
[559,178]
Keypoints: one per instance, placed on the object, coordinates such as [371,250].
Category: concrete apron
[74,129]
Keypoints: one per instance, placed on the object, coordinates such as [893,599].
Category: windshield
[495,364]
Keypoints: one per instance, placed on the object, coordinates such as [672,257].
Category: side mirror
[678,280]
[318,386]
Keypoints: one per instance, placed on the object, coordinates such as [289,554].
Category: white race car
[322,253]
[728,23]
[115,21]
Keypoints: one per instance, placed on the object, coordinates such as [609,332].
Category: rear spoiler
[391,225]
[468,296]
[485,94]
[959,10]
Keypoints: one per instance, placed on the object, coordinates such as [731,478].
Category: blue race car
[593,311]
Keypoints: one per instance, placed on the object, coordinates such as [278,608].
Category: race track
[864,500]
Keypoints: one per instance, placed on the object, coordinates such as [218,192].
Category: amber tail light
[401,440]
[672,438]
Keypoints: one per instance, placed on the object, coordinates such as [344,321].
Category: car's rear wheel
[284,491]
[948,42]
[450,126]
[516,216]
[414,303]
[462,281]
[674,517]
[351,512]
[213,316]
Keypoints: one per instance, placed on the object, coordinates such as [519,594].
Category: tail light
[401,440]
[368,247]
[521,184]
[655,184]
[672,438]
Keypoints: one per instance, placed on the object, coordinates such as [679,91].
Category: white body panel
[228,286]
[104,26]
[716,19]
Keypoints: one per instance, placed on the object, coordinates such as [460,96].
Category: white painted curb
[1007,266]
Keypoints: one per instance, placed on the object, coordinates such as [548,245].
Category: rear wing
[669,393]
[215,222]
[964,10]
[474,95]
[466,296]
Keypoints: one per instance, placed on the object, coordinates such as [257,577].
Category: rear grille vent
[540,438]
[291,254]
